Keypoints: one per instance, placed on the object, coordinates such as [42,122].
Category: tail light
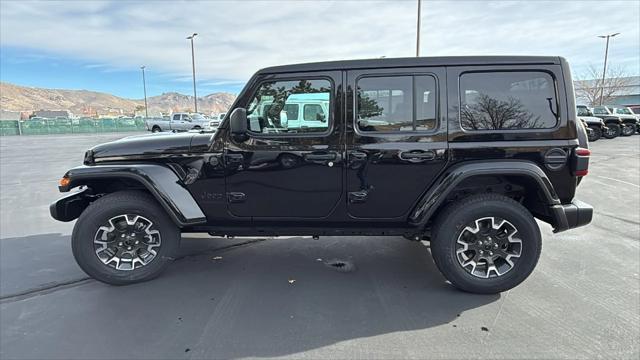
[581,161]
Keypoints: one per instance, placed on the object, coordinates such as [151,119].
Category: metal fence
[69,126]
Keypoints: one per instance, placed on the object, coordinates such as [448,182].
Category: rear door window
[508,100]
[396,103]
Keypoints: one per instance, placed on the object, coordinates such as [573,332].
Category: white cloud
[237,38]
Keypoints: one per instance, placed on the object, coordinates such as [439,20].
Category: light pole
[418,31]
[604,71]
[193,67]
[144,86]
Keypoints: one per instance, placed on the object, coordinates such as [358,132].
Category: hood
[144,146]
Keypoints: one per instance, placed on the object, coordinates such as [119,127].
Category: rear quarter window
[514,100]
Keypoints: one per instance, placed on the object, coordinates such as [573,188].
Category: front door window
[290,107]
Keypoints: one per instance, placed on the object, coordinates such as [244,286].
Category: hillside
[22,98]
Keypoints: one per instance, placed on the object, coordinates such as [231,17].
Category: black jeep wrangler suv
[463,151]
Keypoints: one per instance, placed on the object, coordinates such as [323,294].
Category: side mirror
[320,117]
[238,121]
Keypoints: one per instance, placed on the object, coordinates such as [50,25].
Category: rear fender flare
[446,183]
[160,181]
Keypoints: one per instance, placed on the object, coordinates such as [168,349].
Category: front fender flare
[159,180]
[443,186]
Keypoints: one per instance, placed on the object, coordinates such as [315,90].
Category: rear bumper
[569,216]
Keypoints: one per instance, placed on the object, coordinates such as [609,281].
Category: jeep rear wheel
[595,134]
[486,243]
[629,129]
[613,130]
[156,129]
[124,237]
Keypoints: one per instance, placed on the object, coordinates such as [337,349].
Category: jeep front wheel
[595,134]
[613,130]
[629,129]
[124,237]
[486,243]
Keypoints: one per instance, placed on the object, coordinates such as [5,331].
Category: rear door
[396,139]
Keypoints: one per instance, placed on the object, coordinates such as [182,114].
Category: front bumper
[569,216]
[70,206]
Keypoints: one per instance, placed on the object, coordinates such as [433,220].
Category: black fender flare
[162,182]
[446,182]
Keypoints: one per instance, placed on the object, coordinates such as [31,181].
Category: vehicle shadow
[261,299]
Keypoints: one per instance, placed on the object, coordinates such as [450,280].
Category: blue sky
[100,46]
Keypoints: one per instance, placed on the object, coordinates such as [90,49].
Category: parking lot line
[621,181]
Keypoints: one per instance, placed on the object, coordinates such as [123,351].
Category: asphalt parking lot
[235,298]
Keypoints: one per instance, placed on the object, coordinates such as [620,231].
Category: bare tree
[488,113]
[589,85]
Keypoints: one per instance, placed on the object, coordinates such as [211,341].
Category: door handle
[321,156]
[417,155]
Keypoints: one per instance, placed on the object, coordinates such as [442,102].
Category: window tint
[507,101]
[275,109]
[387,103]
[176,117]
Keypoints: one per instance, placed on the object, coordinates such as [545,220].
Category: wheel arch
[523,180]
[160,181]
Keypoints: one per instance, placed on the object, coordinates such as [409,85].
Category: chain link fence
[70,126]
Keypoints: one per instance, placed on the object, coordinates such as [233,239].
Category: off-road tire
[628,129]
[453,220]
[99,212]
[596,134]
[613,131]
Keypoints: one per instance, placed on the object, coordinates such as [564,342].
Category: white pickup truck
[178,122]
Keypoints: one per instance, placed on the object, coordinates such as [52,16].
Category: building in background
[53,114]
[10,115]
[626,91]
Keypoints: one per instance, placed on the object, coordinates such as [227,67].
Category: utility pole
[193,67]
[604,71]
[418,30]
[144,86]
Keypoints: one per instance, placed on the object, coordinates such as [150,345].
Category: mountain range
[26,99]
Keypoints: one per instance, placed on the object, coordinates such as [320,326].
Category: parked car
[470,177]
[215,121]
[628,117]
[301,113]
[595,124]
[177,122]
[613,122]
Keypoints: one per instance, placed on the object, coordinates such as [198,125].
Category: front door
[288,169]
[396,139]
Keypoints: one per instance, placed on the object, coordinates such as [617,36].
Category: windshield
[624,111]
[197,117]
[601,111]
[584,112]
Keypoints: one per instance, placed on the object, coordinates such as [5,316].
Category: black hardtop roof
[412,62]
